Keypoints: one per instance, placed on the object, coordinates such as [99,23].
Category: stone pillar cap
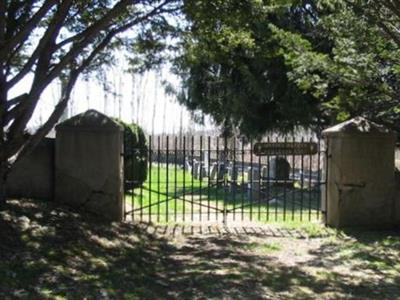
[358,125]
[91,120]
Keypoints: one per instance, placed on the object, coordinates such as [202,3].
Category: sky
[134,99]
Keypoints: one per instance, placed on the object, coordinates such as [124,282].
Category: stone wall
[33,176]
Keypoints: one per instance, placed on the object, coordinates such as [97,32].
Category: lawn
[174,195]
[52,253]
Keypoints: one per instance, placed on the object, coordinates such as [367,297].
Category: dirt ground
[51,253]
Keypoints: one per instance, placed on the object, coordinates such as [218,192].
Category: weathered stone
[360,179]
[265,172]
[253,174]
[213,171]
[233,172]
[253,185]
[188,166]
[203,171]
[89,166]
[33,175]
[196,169]
[221,171]
[279,168]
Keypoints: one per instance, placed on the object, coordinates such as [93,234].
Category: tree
[358,74]
[233,67]
[49,40]
[274,65]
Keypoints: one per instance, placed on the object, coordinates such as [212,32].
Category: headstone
[214,171]
[279,168]
[203,171]
[265,173]
[195,173]
[233,172]
[253,185]
[205,158]
[188,166]
[221,171]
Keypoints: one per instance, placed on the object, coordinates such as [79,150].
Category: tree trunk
[3,178]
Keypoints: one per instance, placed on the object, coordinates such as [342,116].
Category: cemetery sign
[285,148]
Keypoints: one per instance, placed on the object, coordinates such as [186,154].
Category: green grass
[168,196]
[310,229]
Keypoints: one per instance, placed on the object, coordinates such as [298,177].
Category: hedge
[135,155]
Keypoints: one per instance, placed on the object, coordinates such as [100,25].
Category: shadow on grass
[47,252]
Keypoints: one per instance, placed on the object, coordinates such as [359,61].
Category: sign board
[282,148]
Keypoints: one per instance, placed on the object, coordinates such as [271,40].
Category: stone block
[33,175]
[89,165]
[360,175]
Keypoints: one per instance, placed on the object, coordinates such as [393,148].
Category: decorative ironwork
[285,148]
[209,179]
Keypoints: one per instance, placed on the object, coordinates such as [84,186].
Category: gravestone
[279,168]
[233,172]
[195,169]
[253,185]
[202,171]
[265,173]
[188,166]
[214,171]
[205,158]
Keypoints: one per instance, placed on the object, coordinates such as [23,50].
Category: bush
[135,155]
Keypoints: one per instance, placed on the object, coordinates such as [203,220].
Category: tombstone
[253,184]
[200,171]
[232,182]
[279,168]
[221,171]
[213,172]
[188,166]
[203,171]
[195,169]
[265,173]
[205,158]
[220,174]
[233,172]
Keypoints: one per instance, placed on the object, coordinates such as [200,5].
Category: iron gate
[207,179]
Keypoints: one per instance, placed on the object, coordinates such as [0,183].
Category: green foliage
[358,73]
[257,66]
[233,69]
[135,155]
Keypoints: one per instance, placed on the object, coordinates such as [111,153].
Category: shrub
[135,155]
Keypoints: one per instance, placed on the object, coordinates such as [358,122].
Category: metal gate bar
[196,176]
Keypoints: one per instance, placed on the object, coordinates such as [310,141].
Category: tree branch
[26,108]
[32,142]
[23,34]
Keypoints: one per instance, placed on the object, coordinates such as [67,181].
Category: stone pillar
[89,165]
[360,175]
